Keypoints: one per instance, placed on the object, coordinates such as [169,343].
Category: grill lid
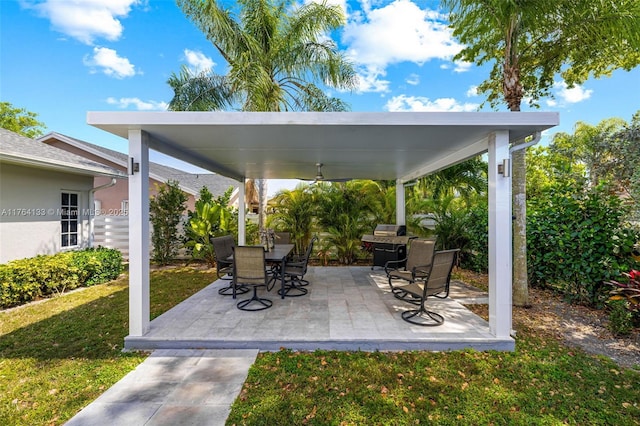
[385,230]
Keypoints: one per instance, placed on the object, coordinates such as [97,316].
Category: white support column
[242,225]
[401,207]
[500,238]
[139,305]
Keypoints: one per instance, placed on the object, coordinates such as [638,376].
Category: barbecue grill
[388,242]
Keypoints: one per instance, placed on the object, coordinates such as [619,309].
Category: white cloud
[138,104]
[472,91]
[461,66]
[370,79]
[398,32]
[197,61]
[85,20]
[419,103]
[110,63]
[571,95]
[413,79]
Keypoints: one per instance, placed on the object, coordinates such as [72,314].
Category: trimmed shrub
[576,240]
[25,280]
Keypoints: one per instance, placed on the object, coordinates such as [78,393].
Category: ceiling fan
[320,177]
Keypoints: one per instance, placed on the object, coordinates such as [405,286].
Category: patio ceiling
[391,146]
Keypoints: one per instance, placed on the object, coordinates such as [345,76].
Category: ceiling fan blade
[320,177]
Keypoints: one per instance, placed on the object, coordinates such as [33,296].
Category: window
[69,219]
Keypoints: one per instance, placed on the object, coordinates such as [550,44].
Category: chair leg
[293,288]
[228,290]
[423,317]
[262,303]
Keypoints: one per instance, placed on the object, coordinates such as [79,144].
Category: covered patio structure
[381,146]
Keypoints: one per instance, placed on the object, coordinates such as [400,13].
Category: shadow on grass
[97,329]
[93,330]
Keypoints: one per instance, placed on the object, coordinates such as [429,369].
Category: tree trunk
[519,185]
[262,203]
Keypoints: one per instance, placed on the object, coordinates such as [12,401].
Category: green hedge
[576,239]
[24,280]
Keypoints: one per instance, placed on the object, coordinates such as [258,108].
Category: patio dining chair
[249,270]
[416,268]
[294,273]
[435,285]
[283,237]
[223,249]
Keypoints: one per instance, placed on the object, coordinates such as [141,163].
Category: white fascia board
[60,166]
[118,122]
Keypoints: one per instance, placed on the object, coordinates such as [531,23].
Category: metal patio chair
[294,273]
[223,249]
[249,270]
[435,285]
[416,268]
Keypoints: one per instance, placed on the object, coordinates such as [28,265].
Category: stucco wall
[30,210]
[110,199]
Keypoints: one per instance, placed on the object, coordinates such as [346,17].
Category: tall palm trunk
[262,203]
[513,93]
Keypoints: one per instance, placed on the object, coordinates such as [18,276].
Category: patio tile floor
[347,308]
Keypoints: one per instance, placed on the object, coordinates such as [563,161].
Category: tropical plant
[166,209]
[211,218]
[346,211]
[294,211]
[465,180]
[20,121]
[529,42]
[276,50]
[624,302]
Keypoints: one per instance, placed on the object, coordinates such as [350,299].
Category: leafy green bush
[476,255]
[165,213]
[620,317]
[97,265]
[576,240]
[24,280]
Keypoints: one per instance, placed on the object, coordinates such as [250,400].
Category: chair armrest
[389,265]
[295,264]
[423,270]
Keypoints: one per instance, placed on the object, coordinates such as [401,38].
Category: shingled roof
[18,149]
[189,182]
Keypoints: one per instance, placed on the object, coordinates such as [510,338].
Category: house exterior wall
[30,210]
[109,200]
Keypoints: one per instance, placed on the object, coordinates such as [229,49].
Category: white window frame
[69,216]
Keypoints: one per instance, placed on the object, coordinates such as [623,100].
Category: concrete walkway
[173,387]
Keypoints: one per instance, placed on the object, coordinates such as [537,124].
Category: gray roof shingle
[20,149]
[190,182]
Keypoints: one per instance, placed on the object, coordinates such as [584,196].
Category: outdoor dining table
[277,255]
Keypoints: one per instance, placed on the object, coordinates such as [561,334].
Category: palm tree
[346,211]
[529,43]
[276,52]
[294,211]
[464,179]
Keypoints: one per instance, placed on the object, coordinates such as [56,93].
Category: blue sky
[62,58]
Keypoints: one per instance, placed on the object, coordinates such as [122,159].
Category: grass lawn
[58,355]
